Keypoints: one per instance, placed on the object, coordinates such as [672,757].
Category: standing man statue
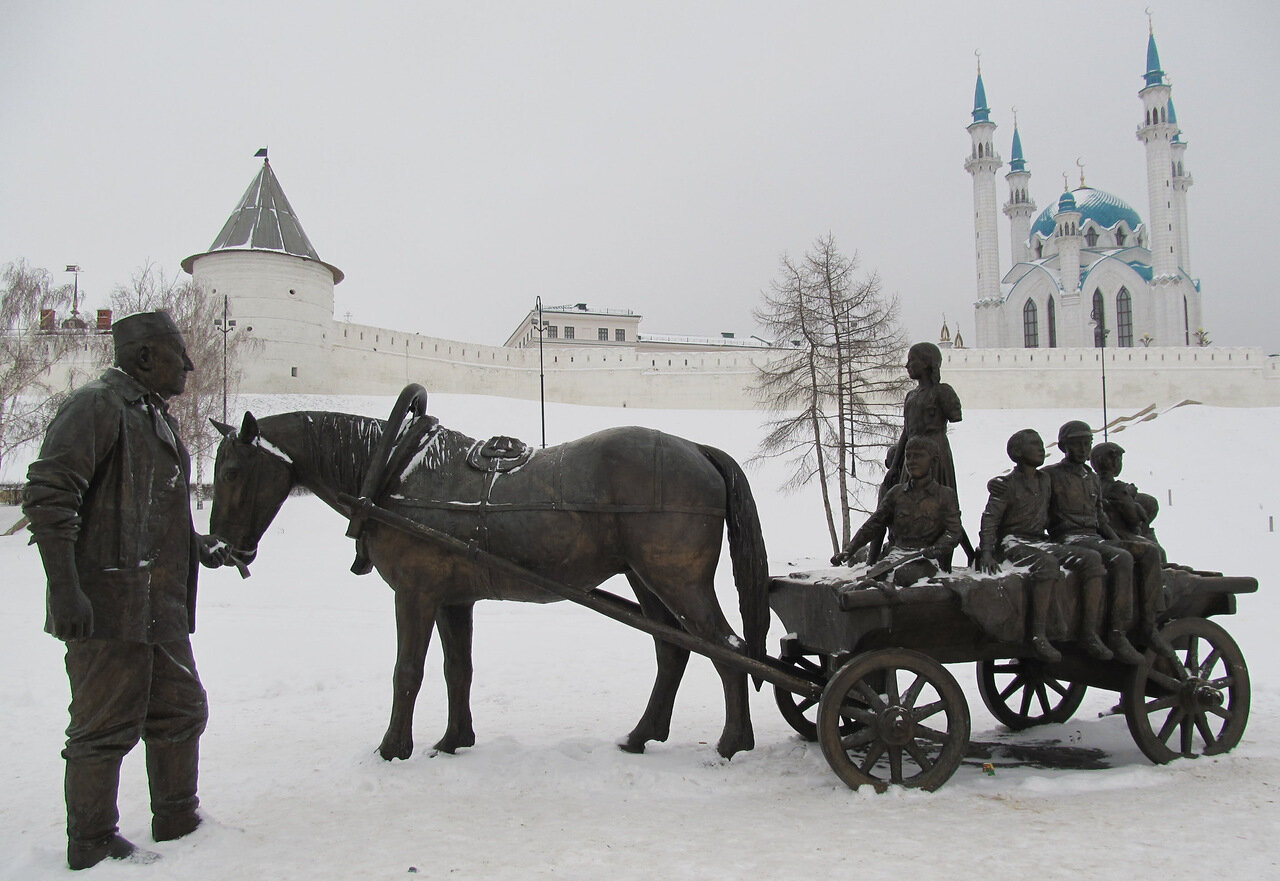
[1076,517]
[108,500]
[927,410]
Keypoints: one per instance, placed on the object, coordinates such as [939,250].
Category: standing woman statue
[925,413]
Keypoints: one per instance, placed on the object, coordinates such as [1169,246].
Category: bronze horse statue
[629,501]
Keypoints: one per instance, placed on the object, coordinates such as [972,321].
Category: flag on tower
[261,154]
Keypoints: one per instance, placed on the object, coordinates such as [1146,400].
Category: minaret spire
[1020,208]
[1157,133]
[983,163]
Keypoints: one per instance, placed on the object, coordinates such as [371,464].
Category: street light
[1099,320]
[224,325]
[74,321]
[540,326]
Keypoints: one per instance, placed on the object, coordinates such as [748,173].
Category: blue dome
[1066,202]
[1103,209]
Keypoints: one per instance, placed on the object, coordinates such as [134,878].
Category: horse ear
[248,428]
[223,429]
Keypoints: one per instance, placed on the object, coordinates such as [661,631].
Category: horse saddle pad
[500,454]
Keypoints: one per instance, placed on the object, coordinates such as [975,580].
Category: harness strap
[412,399]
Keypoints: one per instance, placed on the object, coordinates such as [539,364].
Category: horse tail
[746,549]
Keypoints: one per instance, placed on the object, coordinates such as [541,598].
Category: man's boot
[1091,620]
[172,770]
[92,833]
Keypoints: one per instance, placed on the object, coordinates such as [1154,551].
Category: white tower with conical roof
[1181,183]
[278,290]
[983,163]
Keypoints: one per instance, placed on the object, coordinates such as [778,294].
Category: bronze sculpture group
[1050,521]
[107,499]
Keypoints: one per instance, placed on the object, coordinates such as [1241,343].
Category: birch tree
[836,390]
[28,396]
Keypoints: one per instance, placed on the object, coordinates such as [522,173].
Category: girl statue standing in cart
[925,413]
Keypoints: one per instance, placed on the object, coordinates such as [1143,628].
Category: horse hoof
[728,748]
[395,752]
[636,747]
[451,744]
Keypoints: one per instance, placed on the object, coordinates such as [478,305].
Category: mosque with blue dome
[1087,270]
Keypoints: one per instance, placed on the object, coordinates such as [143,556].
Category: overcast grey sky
[456,160]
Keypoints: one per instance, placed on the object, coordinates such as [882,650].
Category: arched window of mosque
[1091,237]
[1124,319]
[1039,249]
[1120,237]
[1099,316]
[1051,321]
[1030,328]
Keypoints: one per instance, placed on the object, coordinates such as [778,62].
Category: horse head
[251,480]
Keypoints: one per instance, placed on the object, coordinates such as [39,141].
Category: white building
[1088,255]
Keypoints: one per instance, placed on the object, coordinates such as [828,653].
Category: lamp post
[1099,319]
[224,325]
[541,328]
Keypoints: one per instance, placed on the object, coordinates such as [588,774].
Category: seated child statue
[921,515]
[1077,518]
[1129,511]
[1015,528]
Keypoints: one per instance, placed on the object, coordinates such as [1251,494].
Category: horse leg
[699,613]
[415,616]
[655,724]
[454,624]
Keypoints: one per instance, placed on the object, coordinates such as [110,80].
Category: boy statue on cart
[922,518]
[1014,528]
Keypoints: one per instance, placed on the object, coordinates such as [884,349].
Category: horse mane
[327,449]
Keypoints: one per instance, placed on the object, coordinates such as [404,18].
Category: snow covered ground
[297,661]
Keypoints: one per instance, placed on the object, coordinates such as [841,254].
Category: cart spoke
[925,733]
[806,704]
[895,764]
[869,695]
[1188,733]
[1202,725]
[1170,723]
[921,758]
[1224,682]
[920,713]
[1016,683]
[1220,712]
[891,687]
[1164,680]
[860,737]
[1007,667]
[1193,653]
[857,713]
[1044,699]
[912,694]
[1027,694]
[873,755]
[1207,667]
[1057,686]
[1161,703]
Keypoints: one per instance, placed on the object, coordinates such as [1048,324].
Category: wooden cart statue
[890,712]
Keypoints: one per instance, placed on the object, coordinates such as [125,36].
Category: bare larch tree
[836,390]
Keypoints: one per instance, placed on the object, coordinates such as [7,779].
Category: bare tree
[29,395]
[150,289]
[837,389]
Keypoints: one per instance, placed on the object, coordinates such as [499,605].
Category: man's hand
[214,553]
[70,612]
[987,562]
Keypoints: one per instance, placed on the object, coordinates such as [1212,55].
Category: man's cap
[141,326]
[1074,428]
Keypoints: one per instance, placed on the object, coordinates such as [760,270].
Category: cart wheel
[1022,693]
[1203,698]
[801,711]
[893,716]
